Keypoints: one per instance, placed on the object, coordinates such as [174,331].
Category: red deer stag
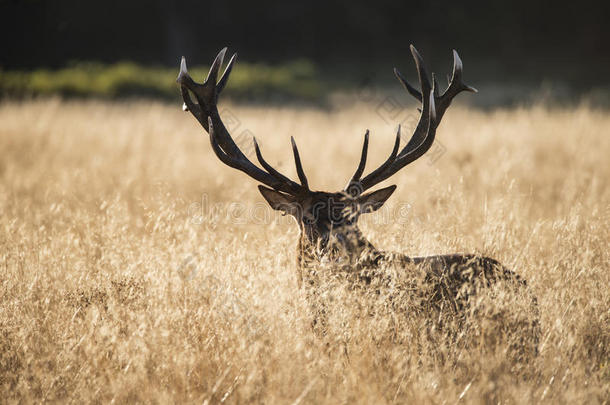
[328,221]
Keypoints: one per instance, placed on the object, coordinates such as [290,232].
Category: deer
[328,221]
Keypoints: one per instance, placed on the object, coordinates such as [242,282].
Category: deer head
[328,221]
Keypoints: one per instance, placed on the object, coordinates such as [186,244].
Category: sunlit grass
[136,267]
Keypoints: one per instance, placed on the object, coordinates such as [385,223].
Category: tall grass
[135,267]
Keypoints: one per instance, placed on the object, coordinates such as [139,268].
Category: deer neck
[349,249]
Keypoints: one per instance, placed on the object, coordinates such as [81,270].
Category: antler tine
[297,162]
[225,76]
[270,168]
[456,86]
[358,174]
[421,72]
[273,179]
[213,73]
[412,90]
[394,152]
[369,181]
[188,84]
[458,68]
[206,112]
[424,83]
[183,76]
[185,80]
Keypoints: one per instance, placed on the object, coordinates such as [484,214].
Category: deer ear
[373,201]
[279,201]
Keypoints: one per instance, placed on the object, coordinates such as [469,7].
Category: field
[135,267]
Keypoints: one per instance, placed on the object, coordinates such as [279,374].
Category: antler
[456,86]
[206,112]
[432,111]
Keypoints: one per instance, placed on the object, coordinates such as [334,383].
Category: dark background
[524,39]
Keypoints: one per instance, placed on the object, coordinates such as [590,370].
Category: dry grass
[135,267]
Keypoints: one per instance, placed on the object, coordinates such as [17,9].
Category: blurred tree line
[522,37]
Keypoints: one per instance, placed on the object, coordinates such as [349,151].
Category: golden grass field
[136,267]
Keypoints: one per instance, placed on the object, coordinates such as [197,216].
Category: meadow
[135,267]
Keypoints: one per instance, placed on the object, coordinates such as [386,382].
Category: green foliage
[297,79]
